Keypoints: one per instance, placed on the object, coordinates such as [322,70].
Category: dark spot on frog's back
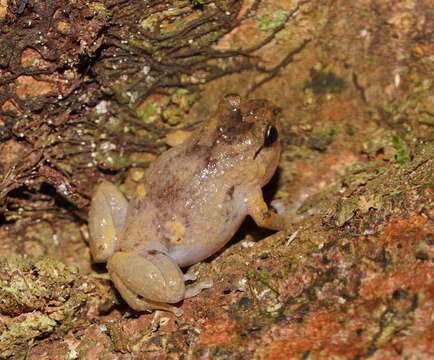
[232,133]
[168,193]
[199,151]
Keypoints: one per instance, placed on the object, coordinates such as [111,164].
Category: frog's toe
[197,288]
[153,277]
[190,277]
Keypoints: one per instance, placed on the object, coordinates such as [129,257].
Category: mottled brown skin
[192,200]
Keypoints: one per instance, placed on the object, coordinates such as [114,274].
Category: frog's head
[250,129]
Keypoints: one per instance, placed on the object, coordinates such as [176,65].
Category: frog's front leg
[107,216]
[263,216]
[151,281]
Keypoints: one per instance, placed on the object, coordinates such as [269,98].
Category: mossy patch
[40,297]
[272,21]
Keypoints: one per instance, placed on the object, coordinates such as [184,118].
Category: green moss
[402,151]
[141,44]
[101,10]
[56,271]
[112,160]
[263,278]
[345,211]
[391,146]
[273,21]
[30,290]
[321,138]
[18,333]
[361,173]
[34,65]
[173,115]
[374,190]
[27,286]
[377,142]
[180,103]
[183,98]
[149,114]
[312,201]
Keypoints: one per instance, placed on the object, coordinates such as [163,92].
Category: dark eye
[271,136]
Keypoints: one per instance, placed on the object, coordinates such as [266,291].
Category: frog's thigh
[262,215]
[107,216]
[153,277]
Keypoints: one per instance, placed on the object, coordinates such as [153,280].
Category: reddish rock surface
[351,278]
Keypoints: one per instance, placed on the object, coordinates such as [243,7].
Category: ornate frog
[193,199]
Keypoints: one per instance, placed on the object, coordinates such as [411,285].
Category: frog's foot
[195,289]
[147,282]
[262,215]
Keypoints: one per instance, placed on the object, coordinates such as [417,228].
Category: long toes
[197,288]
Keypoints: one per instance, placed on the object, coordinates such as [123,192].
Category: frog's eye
[271,136]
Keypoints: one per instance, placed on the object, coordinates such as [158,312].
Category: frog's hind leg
[107,216]
[147,282]
[138,303]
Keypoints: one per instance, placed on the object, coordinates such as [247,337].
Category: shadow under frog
[192,200]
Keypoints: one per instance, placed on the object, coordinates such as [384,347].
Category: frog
[191,201]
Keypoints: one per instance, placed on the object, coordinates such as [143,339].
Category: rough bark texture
[91,89]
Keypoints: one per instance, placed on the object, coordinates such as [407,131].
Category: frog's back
[191,208]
